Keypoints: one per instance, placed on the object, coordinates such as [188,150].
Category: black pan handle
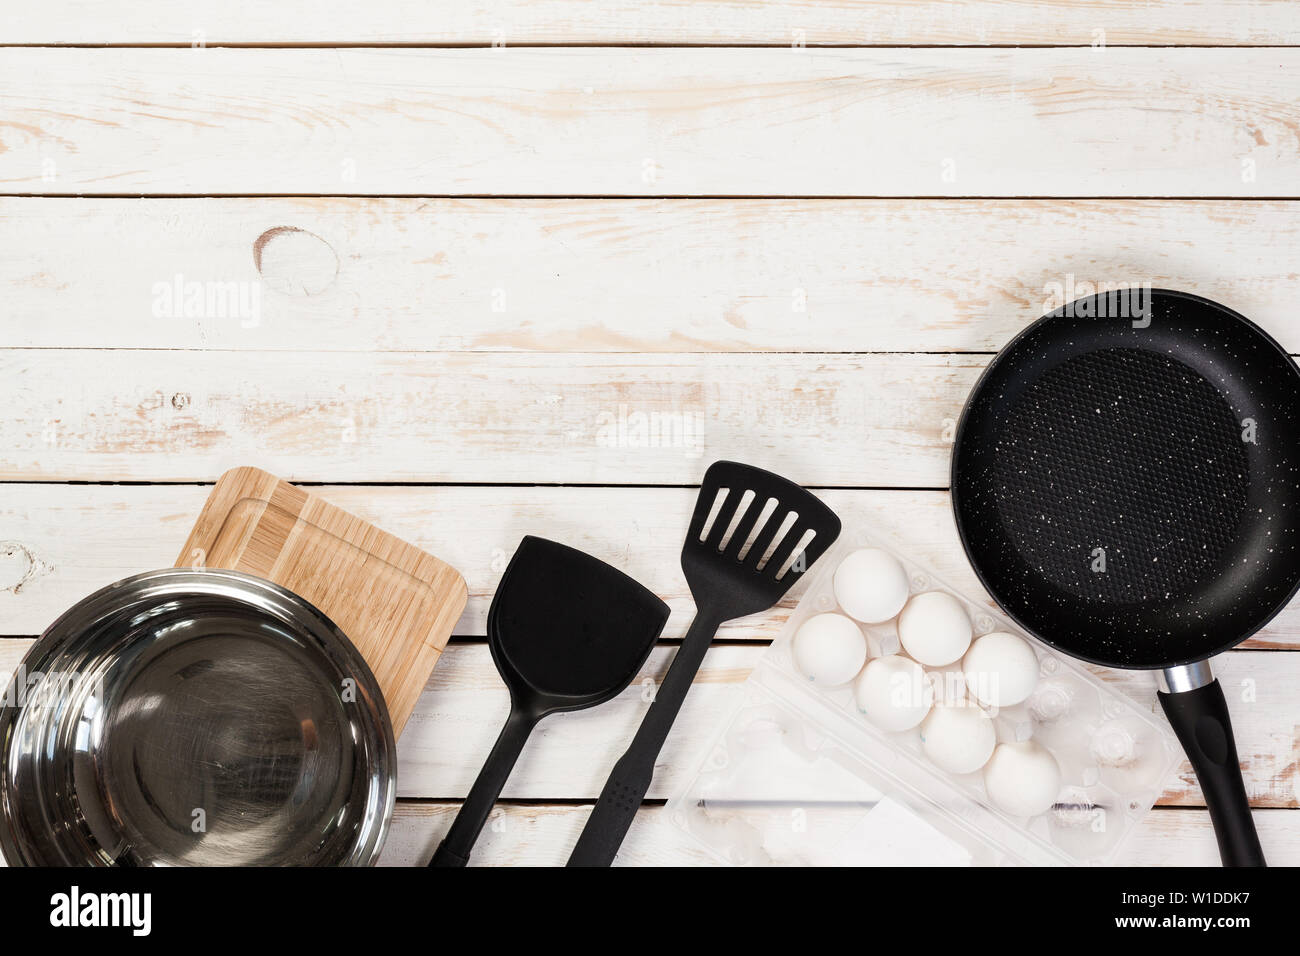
[1200,719]
[456,845]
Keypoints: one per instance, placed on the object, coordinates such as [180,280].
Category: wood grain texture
[465,705]
[779,22]
[462,709]
[479,417]
[530,835]
[345,274]
[396,603]
[866,420]
[530,341]
[627,122]
[59,543]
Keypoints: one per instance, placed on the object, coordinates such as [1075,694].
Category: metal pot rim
[57,652]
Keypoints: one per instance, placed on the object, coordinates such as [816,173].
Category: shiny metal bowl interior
[194,717]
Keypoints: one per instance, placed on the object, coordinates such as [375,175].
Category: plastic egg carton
[798,775]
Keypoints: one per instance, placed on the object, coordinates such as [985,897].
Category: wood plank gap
[698,197]
[433,45]
[184,483]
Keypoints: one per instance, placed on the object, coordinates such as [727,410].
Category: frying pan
[1126,484]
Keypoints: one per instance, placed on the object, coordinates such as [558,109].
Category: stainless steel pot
[194,717]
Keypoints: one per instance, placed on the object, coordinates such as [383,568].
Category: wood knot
[18,565]
[294,261]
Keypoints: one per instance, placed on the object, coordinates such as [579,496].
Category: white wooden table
[449,259]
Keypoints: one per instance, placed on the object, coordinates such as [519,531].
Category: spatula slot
[784,553]
[712,515]
[773,546]
[737,515]
[752,537]
[797,561]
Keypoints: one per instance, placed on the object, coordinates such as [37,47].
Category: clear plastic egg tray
[799,776]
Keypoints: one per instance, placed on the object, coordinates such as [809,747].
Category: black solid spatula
[567,632]
[764,534]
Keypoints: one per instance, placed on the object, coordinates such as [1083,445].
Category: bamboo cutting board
[396,603]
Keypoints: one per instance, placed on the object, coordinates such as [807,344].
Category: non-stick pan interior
[1128,485]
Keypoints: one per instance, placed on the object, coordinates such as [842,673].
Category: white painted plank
[1184,837]
[880,420]
[462,711]
[779,22]
[534,835]
[601,276]
[465,704]
[590,121]
[531,835]
[59,543]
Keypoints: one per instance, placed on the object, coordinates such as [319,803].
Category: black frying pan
[1126,484]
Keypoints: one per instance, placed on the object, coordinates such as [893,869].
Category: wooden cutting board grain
[397,603]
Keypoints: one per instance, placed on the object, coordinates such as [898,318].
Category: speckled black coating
[1089,433]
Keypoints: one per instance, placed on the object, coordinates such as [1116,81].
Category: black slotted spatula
[567,632]
[743,561]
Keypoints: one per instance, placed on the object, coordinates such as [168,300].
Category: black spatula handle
[455,847]
[630,779]
[1200,719]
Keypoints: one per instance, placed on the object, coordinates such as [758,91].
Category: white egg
[1022,778]
[894,693]
[1001,669]
[829,649]
[958,738]
[871,585]
[934,628]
